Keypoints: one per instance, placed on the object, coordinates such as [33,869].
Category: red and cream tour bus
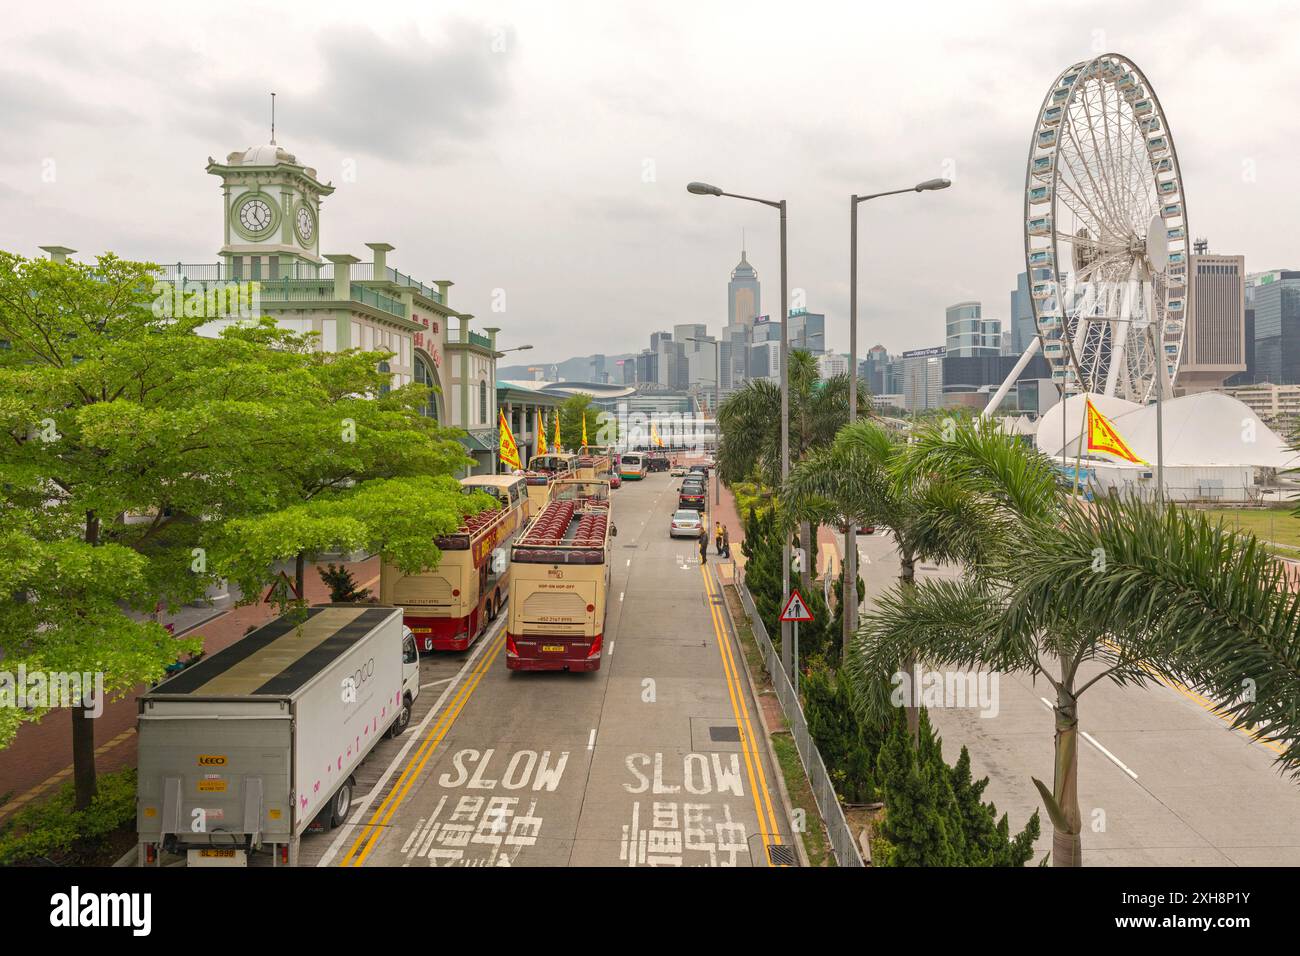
[447,607]
[560,581]
[594,461]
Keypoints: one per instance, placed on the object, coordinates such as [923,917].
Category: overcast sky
[543,148]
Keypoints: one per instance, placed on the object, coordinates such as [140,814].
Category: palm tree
[750,424]
[1149,592]
[867,476]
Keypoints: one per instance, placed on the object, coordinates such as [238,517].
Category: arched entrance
[426,373]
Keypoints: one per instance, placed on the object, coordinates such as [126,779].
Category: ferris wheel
[1106,234]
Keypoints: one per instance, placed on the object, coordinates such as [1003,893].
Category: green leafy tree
[573,411]
[142,462]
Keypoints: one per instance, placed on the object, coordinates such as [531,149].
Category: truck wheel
[341,804]
[403,718]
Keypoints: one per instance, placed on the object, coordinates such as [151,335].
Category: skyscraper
[1277,326]
[970,334]
[743,301]
[807,331]
[1021,318]
[1215,346]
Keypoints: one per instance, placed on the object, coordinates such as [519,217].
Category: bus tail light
[284,854]
[512,650]
[591,608]
[455,592]
[595,646]
[150,852]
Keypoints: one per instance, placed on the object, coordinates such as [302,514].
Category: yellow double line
[748,739]
[369,836]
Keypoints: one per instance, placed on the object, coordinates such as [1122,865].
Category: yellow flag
[509,450]
[559,446]
[541,433]
[1103,437]
[584,428]
[654,436]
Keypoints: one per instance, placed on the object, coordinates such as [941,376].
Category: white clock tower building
[272,212]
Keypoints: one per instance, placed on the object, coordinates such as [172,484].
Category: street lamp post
[705,189]
[850,592]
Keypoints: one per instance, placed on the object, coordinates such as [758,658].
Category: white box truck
[242,751]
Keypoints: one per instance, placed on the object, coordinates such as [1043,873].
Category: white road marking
[591,741]
[1092,740]
[436,683]
[629,562]
[345,831]
[611,648]
[620,595]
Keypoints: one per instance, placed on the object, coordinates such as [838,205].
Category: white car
[679,471]
[686,524]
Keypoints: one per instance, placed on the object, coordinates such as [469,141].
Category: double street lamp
[851,534]
[705,189]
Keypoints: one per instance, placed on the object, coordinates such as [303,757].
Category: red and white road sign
[796,609]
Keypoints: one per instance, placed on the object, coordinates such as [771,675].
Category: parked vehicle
[242,751]
[685,524]
[679,471]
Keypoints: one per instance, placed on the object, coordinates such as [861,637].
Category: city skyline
[524,229]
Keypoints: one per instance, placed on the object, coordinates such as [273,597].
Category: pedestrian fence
[843,843]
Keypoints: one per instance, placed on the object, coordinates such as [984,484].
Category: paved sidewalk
[40,758]
[830,546]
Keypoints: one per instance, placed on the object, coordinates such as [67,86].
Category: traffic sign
[795,609]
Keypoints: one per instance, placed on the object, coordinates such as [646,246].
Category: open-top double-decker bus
[560,581]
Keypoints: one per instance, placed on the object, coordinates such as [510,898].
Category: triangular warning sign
[796,609]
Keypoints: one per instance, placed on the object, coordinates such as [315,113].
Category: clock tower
[271,210]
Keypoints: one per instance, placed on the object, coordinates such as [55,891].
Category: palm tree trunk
[1067,844]
[906,583]
[805,542]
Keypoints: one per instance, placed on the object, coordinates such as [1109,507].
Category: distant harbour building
[923,378]
[1277,326]
[969,333]
[1215,344]
[807,331]
[828,366]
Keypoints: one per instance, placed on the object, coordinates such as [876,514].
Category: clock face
[305,225]
[255,216]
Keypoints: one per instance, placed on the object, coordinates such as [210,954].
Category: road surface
[643,762]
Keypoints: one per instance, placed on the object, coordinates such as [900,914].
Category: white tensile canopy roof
[1208,428]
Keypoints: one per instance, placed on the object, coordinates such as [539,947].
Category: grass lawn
[1274,524]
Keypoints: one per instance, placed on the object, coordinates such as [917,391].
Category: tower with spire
[743,301]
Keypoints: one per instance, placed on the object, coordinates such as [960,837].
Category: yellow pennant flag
[559,446]
[509,450]
[541,433]
[1103,437]
[584,429]
[654,436]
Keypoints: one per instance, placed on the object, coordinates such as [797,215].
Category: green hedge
[52,831]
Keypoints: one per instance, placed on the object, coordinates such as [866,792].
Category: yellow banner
[558,445]
[541,433]
[509,450]
[654,436]
[584,428]
[1103,437]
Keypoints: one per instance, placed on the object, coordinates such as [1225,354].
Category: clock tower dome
[271,210]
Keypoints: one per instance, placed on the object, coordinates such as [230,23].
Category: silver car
[686,524]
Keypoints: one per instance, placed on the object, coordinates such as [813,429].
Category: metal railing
[843,844]
[377,300]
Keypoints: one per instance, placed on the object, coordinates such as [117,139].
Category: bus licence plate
[559,648]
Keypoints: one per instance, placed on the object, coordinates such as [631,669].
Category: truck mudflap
[539,652]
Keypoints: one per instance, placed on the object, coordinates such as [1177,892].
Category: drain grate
[724,735]
[781,855]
